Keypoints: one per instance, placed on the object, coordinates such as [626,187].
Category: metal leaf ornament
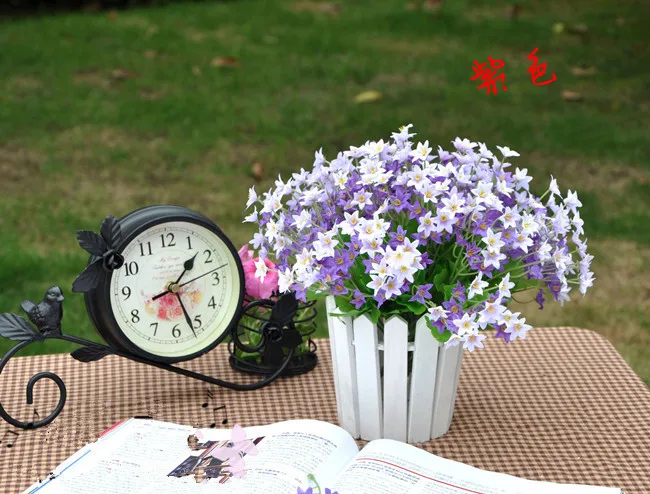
[103,248]
[91,353]
[16,328]
[280,331]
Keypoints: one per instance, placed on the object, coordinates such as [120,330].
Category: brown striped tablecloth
[562,406]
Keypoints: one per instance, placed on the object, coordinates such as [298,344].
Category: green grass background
[106,112]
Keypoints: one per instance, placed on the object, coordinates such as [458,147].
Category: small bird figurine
[47,314]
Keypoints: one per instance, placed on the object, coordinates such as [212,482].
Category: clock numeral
[148,250]
[208,256]
[216,279]
[126,291]
[176,331]
[155,327]
[197,321]
[170,240]
[131,268]
[189,243]
[135,316]
[211,303]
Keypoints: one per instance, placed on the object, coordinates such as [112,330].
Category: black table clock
[174,284]
[162,285]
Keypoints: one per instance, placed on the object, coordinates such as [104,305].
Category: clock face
[163,315]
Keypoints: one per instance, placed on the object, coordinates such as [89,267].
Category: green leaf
[352,313]
[315,296]
[343,304]
[414,307]
[374,314]
[523,284]
[442,338]
[440,279]
[447,289]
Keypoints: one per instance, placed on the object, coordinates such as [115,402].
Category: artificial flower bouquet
[396,228]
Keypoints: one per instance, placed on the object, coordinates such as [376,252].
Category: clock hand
[187,316]
[201,276]
[187,266]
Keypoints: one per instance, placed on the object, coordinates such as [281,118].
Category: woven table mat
[562,407]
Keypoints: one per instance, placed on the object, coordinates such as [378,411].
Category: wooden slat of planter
[369,387]
[452,402]
[395,378]
[423,377]
[445,389]
[344,368]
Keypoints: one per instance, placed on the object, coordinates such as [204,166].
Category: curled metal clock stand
[46,317]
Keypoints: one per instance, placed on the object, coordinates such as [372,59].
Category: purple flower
[540,298]
[358,299]
[339,288]
[422,293]
[459,293]
[502,334]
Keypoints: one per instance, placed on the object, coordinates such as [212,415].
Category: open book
[146,457]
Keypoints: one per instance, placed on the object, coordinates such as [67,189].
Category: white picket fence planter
[375,395]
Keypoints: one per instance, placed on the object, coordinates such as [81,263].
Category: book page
[151,457]
[391,467]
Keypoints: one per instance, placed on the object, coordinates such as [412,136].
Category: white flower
[436,312]
[476,287]
[577,222]
[586,281]
[392,287]
[491,314]
[376,283]
[507,152]
[422,151]
[416,177]
[518,328]
[528,224]
[464,145]
[522,242]
[380,268]
[445,220]
[324,246]
[493,240]
[521,177]
[252,197]
[571,201]
[257,241]
[505,285]
[403,134]
[348,227]
[302,220]
[473,341]
[319,159]
[553,187]
[466,324]
[493,258]
[426,224]
[251,218]
[285,280]
[261,269]
[362,199]
[509,218]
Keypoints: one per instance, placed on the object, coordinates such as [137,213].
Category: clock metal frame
[98,304]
